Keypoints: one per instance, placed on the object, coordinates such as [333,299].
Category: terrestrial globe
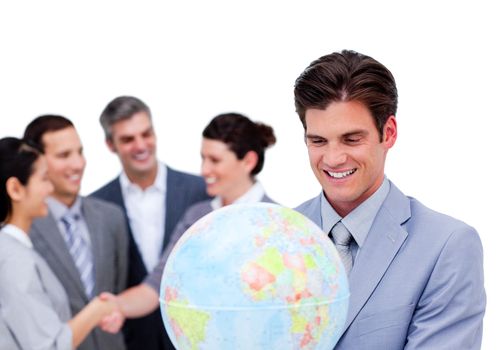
[256,276]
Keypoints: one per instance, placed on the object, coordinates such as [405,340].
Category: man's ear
[390,132]
[110,145]
[15,189]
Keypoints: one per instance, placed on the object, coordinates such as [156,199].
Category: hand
[114,320]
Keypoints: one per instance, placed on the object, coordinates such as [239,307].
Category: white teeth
[74,177]
[342,174]
[210,180]
[141,156]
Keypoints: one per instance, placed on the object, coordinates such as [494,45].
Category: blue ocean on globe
[254,276]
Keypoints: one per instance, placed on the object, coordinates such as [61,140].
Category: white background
[191,60]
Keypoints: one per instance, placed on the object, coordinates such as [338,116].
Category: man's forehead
[132,133]
[131,126]
[66,137]
[340,116]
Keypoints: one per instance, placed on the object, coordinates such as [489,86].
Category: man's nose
[335,156]
[78,161]
[140,143]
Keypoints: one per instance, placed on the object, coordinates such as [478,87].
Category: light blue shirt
[358,221]
[59,210]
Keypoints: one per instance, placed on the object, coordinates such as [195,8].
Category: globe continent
[256,276]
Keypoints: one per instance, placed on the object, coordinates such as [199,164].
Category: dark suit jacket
[182,190]
[108,235]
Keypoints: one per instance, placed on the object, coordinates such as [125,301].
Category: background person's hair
[43,124]
[16,160]
[347,76]
[121,108]
[241,135]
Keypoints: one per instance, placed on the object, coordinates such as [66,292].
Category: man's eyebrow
[313,136]
[359,132]
[126,136]
[148,130]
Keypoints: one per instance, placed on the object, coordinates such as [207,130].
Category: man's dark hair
[43,124]
[347,76]
[121,108]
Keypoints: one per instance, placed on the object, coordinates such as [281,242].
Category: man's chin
[67,197]
[143,169]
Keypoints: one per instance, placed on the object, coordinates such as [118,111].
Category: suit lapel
[92,220]
[117,198]
[172,194]
[136,267]
[312,210]
[47,230]
[384,240]
[267,199]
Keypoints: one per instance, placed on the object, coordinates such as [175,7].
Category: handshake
[137,301]
[112,315]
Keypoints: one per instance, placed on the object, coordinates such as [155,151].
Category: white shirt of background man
[146,213]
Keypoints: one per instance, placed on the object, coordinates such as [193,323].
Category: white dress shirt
[18,234]
[253,195]
[146,211]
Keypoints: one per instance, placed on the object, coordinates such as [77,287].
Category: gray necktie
[342,239]
[80,251]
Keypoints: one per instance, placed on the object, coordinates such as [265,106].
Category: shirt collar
[358,221]
[18,234]
[58,209]
[159,182]
[253,195]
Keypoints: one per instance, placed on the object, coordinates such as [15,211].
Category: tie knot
[341,235]
[69,219]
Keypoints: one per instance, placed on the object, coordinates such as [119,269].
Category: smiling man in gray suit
[154,198]
[84,240]
[416,276]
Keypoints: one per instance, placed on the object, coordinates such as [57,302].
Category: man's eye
[316,141]
[352,139]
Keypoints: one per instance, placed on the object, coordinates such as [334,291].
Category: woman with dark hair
[233,153]
[34,308]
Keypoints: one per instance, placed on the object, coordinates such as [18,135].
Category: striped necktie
[342,239]
[81,252]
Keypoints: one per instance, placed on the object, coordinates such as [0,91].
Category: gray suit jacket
[108,234]
[34,308]
[193,214]
[417,282]
[7,339]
